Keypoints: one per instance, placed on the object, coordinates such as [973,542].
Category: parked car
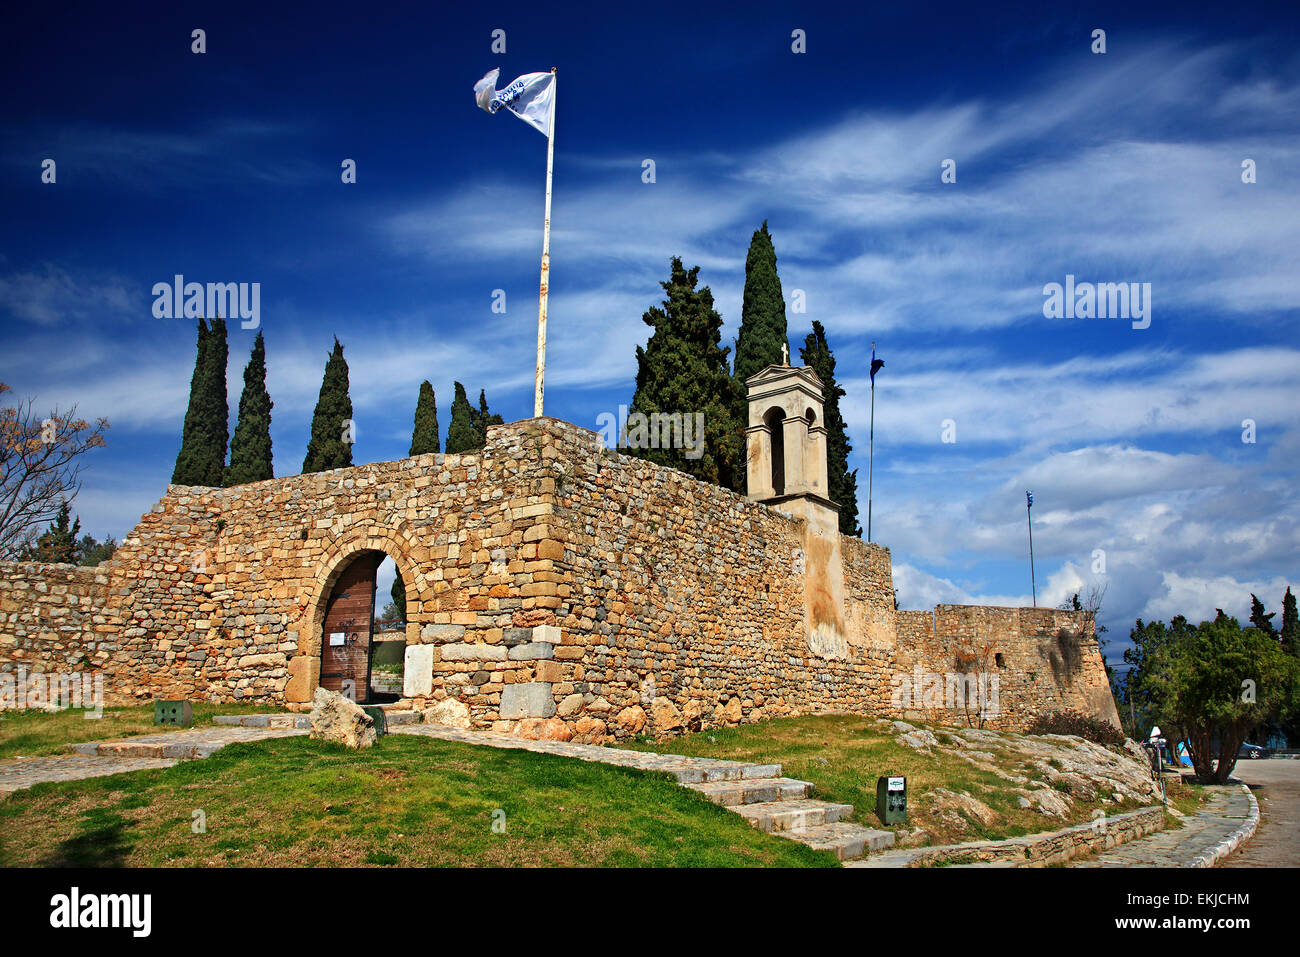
[1252,751]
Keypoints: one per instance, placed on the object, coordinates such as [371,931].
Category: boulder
[544,729]
[953,807]
[665,716]
[449,713]
[589,730]
[631,720]
[336,718]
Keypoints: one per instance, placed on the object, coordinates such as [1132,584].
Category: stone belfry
[786,469]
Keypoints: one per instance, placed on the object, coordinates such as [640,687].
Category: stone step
[752,790]
[724,771]
[845,840]
[797,815]
[398,717]
[264,720]
[147,749]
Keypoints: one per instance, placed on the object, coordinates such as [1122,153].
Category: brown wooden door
[349,618]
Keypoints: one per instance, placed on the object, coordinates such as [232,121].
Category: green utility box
[377,715]
[891,800]
[179,713]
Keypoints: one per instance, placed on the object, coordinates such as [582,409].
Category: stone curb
[1230,844]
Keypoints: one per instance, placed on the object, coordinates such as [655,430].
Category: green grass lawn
[843,755]
[409,801]
[32,734]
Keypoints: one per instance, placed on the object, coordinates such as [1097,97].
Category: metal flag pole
[546,263]
[1029,511]
[871,442]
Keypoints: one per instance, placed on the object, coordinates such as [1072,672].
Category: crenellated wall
[552,589]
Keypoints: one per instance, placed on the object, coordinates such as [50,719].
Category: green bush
[1086,726]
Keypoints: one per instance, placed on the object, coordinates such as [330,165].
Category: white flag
[529,98]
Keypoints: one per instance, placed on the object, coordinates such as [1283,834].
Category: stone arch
[339,554]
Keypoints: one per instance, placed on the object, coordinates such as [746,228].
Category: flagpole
[544,292]
[871,445]
[1029,512]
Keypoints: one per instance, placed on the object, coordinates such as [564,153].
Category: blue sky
[1126,166]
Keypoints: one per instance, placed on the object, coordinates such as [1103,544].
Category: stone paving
[21,773]
[1226,819]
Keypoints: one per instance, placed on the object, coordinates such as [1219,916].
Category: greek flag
[1030,496]
[875,364]
[529,97]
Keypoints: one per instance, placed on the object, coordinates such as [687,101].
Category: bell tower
[786,469]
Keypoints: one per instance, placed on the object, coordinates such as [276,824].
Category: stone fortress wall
[553,589]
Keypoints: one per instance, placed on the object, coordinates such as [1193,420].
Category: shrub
[1086,726]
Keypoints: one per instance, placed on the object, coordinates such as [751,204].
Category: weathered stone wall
[551,589]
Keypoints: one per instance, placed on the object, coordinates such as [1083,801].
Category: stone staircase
[784,807]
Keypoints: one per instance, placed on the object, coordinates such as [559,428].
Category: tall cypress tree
[187,470]
[327,448]
[462,436]
[1260,620]
[202,457]
[483,418]
[250,447]
[58,543]
[683,371]
[398,594]
[762,314]
[843,483]
[1290,624]
[425,437]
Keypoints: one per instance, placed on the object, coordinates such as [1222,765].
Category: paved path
[1204,837]
[21,773]
[1276,783]
[93,759]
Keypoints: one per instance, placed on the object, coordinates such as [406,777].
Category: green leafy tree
[202,457]
[1225,682]
[330,446]
[843,491]
[425,436]
[462,436]
[683,371]
[59,542]
[92,552]
[1260,620]
[250,447]
[1147,684]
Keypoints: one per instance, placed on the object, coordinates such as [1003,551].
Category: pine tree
[425,437]
[250,448]
[1290,633]
[202,457]
[58,543]
[683,371]
[462,436]
[843,482]
[329,448]
[1260,620]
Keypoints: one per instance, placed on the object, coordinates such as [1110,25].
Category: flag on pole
[875,364]
[529,97]
[1030,497]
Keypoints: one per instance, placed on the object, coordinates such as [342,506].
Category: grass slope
[409,801]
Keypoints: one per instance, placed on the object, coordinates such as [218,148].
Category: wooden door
[349,621]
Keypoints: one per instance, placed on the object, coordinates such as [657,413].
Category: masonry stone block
[470,652]
[533,699]
[531,651]
[417,675]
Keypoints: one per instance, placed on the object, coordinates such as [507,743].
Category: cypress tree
[1260,620]
[189,467]
[202,458]
[250,447]
[483,418]
[762,314]
[683,371]
[425,436]
[1290,624]
[398,594]
[327,448]
[843,483]
[462,436]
